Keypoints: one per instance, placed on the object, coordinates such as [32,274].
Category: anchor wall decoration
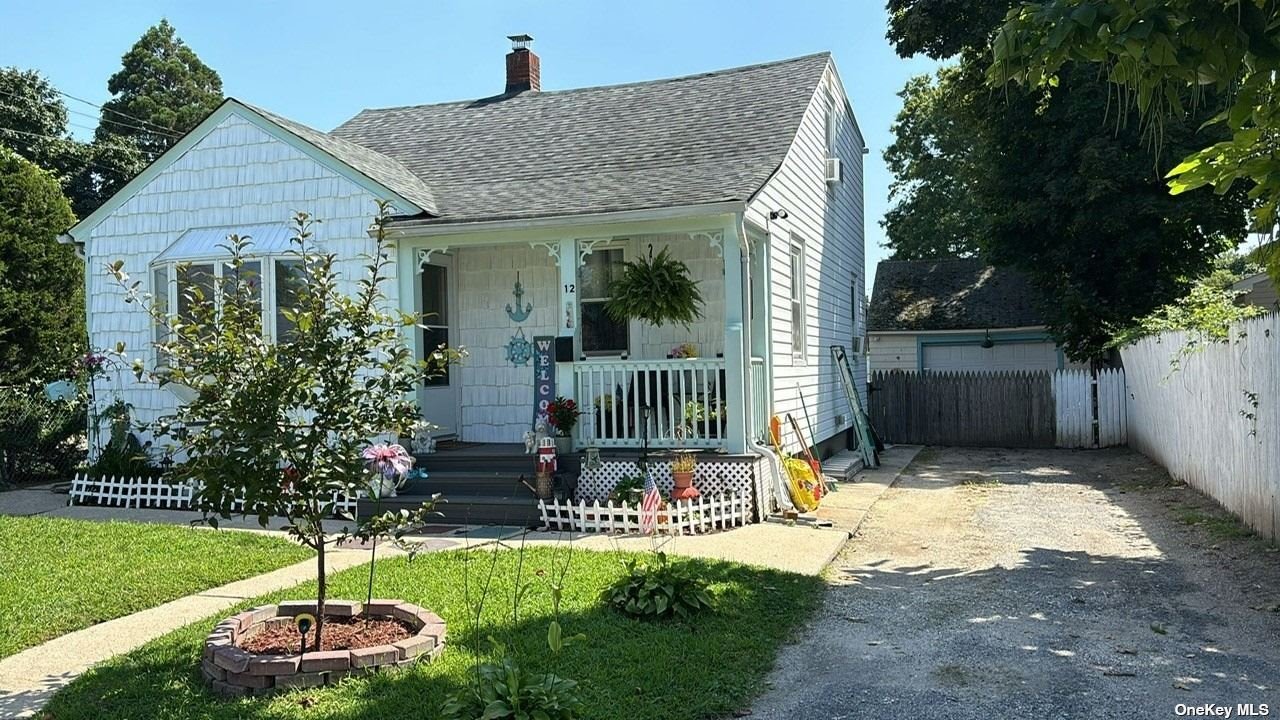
[519,314]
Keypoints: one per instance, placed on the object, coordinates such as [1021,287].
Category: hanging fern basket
[656,289]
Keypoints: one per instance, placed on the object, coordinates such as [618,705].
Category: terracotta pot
[683,478]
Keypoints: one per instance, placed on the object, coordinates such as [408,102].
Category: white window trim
[267,291]
[832,119]
[799,286]
[623,244]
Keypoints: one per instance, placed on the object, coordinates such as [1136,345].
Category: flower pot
[683,478]
[564,445]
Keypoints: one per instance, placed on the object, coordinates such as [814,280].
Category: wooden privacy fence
[1214,422]
[1067,408]
[1005,409]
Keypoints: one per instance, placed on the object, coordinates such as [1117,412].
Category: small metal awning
[199,243]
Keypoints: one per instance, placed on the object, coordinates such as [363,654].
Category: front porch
[528,308]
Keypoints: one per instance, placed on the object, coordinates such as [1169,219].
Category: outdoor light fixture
[778,214]
[987,342]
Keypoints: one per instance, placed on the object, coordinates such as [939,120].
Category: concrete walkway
[847,505]
[29,678]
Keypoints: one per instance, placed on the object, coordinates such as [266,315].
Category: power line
[103,118]
[154,127]
[146,153]
[91,163]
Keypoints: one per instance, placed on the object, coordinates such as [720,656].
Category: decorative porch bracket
[552,248]
[586,247]
[714,238]
[424,255]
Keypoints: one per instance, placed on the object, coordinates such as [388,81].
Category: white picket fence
[1214,422]
[138,492]
[681,517]
[1076,413]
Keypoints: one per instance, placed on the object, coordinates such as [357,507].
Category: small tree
[282,425]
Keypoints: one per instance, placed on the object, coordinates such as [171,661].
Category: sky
[320,62]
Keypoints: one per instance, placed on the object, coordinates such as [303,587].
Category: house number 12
[569,288]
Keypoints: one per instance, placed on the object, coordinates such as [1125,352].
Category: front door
[440,396]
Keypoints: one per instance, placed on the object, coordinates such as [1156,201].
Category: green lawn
[61,575]
[706,667]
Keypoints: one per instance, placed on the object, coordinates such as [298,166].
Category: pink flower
[390,461]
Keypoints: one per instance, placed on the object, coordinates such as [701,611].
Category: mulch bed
[339,634]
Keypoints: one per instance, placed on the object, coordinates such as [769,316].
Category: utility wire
[146,153]
[103,118]
[154,127]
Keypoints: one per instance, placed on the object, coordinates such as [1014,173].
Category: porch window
[601,335]
[799,335]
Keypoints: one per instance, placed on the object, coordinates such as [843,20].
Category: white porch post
[735,356]
[567,312]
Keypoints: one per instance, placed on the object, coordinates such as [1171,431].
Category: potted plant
[684,351]
[562,414]
[655,289]
[682,469]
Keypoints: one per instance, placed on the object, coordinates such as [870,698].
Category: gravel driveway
[1038,584]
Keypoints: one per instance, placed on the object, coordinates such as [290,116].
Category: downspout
[776,471]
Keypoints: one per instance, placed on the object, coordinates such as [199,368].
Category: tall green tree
[1165,59]
[1046,183]
[161,91]
[34,124]
[41,280]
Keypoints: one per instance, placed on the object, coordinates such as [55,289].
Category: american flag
[649,506]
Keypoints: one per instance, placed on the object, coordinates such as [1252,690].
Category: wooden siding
[830,220]
[237,175]
[893,352]
[497,397]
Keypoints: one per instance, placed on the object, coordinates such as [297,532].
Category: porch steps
[518,510]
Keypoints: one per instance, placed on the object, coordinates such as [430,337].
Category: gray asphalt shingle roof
[684,141]
[374,165]
[925,295]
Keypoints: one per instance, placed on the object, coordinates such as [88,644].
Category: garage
[1000,357]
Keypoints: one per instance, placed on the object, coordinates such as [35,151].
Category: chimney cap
[520,42]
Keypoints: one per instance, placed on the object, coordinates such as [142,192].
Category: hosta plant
[658,590]
[507,691]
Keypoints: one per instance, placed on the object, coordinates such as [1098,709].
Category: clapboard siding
[830,221]
[238,174]
[893,352]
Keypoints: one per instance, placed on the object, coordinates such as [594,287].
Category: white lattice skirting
[156,493]
[711,476]
[681,517]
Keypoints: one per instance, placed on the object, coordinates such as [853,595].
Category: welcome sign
[544,376]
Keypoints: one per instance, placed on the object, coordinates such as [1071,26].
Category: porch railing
[681,403]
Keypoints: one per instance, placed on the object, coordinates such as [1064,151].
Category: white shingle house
[512,212]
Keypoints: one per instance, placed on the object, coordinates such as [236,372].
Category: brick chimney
[523,72]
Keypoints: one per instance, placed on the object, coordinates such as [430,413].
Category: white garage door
[1001,357]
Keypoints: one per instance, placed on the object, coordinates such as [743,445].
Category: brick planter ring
[232,671]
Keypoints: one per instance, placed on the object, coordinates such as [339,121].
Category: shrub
[507,690]
[39,438]
[629,490]
[657,590]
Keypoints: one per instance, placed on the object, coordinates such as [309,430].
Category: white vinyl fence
[1214,422]
[1082,398]
[138,492]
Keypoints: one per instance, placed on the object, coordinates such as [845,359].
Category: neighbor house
[957,315]
[512,213]
[1257,289]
